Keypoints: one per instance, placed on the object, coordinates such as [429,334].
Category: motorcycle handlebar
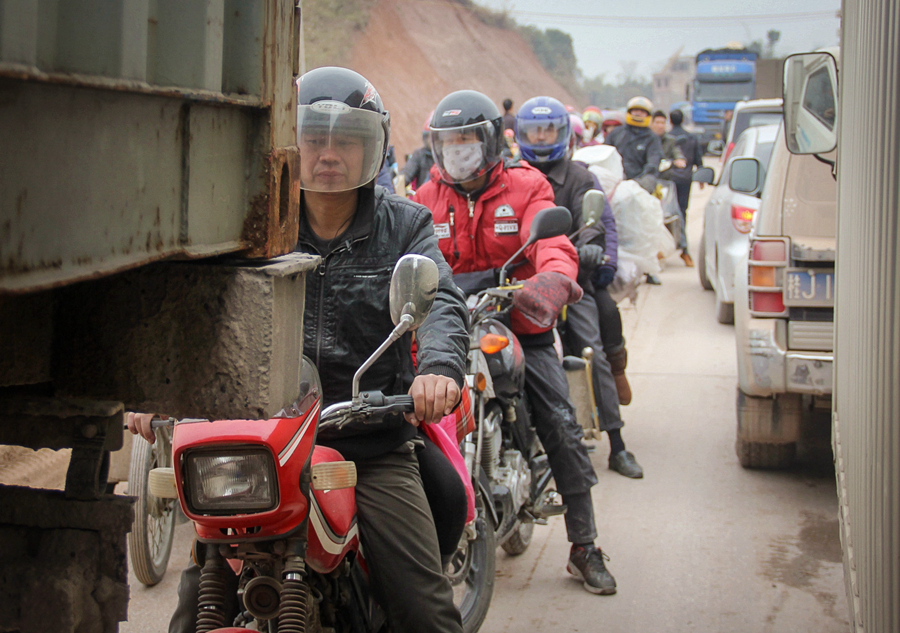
[370,409]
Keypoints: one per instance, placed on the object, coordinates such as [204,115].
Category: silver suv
[784,303]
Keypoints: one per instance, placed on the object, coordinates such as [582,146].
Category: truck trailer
[149,205]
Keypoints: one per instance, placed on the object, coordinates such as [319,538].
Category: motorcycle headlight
[234,481]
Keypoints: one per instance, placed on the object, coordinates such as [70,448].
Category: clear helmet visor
[340,147]
[465,153]
[544,133]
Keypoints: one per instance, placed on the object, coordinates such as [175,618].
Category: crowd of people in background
[510,164]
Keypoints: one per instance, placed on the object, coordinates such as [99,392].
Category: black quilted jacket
[347,313]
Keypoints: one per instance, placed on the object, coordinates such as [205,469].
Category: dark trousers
[583,330]
[554,420]
[400,545]
[683,192]
[446,495]
[610,321]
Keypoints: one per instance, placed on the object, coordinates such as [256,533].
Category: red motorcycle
[280,510]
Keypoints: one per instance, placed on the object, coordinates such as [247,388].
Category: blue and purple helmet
[542,130]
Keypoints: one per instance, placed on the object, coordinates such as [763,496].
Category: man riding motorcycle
[543,134]
[482,212]
[640,148]
[361,231]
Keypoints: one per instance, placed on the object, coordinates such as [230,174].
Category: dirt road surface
[699,544]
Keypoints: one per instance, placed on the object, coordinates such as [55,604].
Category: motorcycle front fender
[484,489]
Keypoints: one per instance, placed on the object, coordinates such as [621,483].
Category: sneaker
[625,464]
[688,260]
[586,564]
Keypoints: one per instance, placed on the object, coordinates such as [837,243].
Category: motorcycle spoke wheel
[471,571]
[150,541]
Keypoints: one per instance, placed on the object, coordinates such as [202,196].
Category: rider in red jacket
[479,230]
[482,211]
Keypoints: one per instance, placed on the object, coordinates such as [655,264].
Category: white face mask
[461,161]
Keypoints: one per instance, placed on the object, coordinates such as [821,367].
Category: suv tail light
[742,217]
[727,152]
[768,258]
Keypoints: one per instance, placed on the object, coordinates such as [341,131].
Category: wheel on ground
[150,541]
[471,570]
[724,311]
[764,455]
[520,540]
[701,264]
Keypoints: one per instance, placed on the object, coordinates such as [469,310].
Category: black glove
[473,283]
[542,297]
[603,276]
[590,256]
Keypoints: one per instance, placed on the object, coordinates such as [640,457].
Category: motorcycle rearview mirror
[592,206]
[413,288]
[414,285]
[549,222]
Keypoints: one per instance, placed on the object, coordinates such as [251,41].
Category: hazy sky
[606,34]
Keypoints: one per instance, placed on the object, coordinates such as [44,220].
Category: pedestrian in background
[509,117]
[693,155]
[672,153]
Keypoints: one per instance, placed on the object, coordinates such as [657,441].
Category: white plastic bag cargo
[605,163]
[639,222]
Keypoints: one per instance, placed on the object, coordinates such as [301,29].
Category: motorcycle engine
[515,475]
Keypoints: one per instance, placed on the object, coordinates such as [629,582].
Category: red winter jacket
[477,235]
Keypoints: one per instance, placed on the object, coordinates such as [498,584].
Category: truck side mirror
[745,176]
[810,103]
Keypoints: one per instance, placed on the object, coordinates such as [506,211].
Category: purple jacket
[609,223]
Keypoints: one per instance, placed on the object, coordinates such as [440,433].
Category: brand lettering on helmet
[370,96]
[541,110]
[330,107]
[452,113]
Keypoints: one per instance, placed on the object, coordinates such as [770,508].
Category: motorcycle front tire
[471,571]
[150,540]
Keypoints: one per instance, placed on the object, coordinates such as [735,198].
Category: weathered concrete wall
[186,339]
[26,324]
[62,562]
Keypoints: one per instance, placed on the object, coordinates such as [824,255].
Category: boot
[617,362]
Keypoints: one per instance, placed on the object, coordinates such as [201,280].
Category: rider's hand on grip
[542,297]
[434,396]
[139,424]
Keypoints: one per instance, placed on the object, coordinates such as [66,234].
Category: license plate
[812,287]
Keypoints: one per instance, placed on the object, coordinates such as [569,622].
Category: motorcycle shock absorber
[293,615]
[211,614]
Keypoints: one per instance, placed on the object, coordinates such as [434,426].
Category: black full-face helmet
[343,130]
[466,136]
